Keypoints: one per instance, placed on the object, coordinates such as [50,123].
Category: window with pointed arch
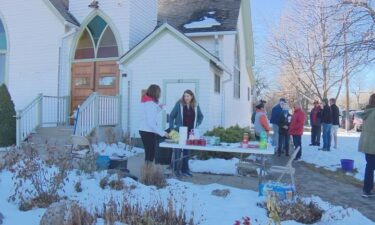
[3,51]
[97,41]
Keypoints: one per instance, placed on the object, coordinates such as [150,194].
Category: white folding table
[229,149]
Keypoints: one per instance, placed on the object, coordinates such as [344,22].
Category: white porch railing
[97,110]
[43,110]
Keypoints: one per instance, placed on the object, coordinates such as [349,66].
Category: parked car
[343,118]
[358,120]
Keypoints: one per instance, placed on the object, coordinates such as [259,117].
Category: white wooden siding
[34,33]
[168,59]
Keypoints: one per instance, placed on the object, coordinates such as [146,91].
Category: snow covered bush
[37,183]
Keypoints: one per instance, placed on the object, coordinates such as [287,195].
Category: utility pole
[346,75]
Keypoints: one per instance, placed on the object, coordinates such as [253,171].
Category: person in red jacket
[296,128]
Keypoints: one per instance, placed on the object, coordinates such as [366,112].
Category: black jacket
[283,121]
[327,115]
[335,114]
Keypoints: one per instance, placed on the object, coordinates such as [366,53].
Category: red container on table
[189,142]
[203,142]
[196,142]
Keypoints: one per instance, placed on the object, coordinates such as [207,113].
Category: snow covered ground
[347,149]
[197,198]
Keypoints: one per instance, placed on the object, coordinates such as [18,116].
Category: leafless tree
[309,43]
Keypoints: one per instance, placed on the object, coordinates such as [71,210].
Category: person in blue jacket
[185,113]
[275,115]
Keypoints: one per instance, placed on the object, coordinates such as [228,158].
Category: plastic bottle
[263,140]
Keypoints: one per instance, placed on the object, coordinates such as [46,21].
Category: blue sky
[266,15]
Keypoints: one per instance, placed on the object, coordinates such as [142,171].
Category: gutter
[223,98]
[203,34]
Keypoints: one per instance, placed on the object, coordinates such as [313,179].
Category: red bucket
[347,165]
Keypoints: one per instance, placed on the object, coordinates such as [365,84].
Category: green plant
[232,134]
[7,118]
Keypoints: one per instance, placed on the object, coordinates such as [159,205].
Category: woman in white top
[149,129]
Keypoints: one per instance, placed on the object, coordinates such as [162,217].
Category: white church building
[56,55]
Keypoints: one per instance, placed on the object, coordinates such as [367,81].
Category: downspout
[223,98]
[59,75]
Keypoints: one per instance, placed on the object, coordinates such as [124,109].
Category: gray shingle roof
[181,12]
[63,7]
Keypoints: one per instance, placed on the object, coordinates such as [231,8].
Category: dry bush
[153,175]
[153,214]
[297,210]
[78,187]
[36,182]
[103,182]
[117,184]
[110,136]
[88,163]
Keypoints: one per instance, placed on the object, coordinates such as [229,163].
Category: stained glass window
[3,48]
[108,45]
[85,48]
[97,41]
[3,40]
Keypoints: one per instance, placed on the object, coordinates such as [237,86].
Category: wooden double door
[88,77]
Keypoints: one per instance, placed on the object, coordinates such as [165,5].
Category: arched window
[3,51]
[97,41]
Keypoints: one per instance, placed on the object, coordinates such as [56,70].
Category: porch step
[57,136]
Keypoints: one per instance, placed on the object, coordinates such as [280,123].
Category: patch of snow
[214,166]
[212,12]
[119,149]
[206,22]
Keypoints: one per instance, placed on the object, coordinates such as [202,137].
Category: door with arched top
[95,68]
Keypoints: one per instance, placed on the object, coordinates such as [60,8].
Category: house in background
[101,55]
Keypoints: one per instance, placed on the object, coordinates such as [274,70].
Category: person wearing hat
[327,125]
[261,121]
[275,115]
[315,122]
[253,115]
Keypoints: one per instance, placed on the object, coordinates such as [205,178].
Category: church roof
[188,16]
[191,16]
[62,6]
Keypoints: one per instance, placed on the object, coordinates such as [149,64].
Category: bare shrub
[153,214]
[297,210]
[87,164]
[117,184]
[221,193]
[78,187]
[110,136]
[153,175]
[37,183]
[103,183]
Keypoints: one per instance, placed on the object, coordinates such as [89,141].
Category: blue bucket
[347,165]
[103,162]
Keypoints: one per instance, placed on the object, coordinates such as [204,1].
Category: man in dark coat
[275,115]
[335,120]
[315,122]
[327,125]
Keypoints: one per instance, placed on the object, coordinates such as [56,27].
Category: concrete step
[58,136]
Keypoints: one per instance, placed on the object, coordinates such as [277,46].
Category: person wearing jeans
[296,128]
[367,146]
[185,113]
[275,115]
[326,124]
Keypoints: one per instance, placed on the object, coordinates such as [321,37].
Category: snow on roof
[205,22]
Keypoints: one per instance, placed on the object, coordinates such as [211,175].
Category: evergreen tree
[7,119]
